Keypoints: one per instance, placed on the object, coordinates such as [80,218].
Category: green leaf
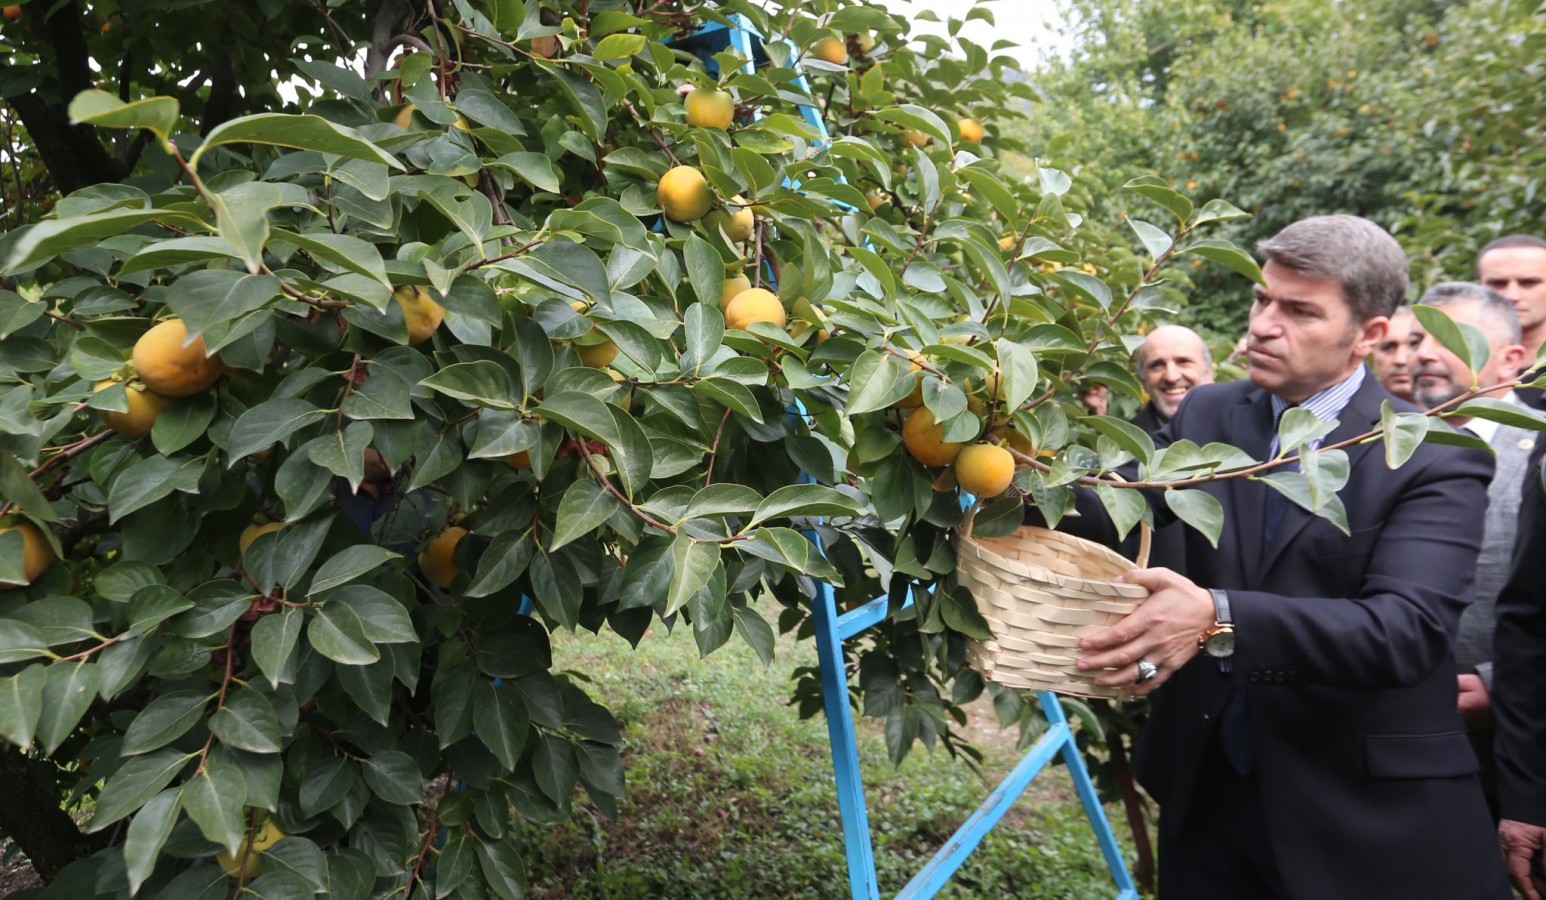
[341,251]
[52,237]
[146,835]
[67,694]
[1017,366]
[153,604]
[963,617]
[21,704]
[351,563]
[554,765]
[730,394]
[166,719]
[326,784]
[343,452]
[1199,509]
[297,132]
[694,562]
[918,119]
[1218,210]
[1502,412]
[502,869]
[151,480]
[619,46]
[501,720]
[705,271]
[1125,506]
[382,616]
[1155,240]
[1299,427]
[248,722]
[805,500]
[18,640]
[209,301]
[481,382]
[1128,436]
[274,642]
[394,777]
[1227,255]
[705,331]
[261,426]
[724,499]
[1463,340]
[503,562]
[337,633]
[754,630]
[584,507]
[158,115]
[877,382]
[138,780]
[182,423]
[1404,433]
[1157,190]
[215,799]
[16,486]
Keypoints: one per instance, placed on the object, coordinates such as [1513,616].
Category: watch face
[1221,645]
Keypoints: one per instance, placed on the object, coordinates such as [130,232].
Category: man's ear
[1368,335]
[1515,360]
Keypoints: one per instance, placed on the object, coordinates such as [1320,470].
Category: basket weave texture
[1041,591]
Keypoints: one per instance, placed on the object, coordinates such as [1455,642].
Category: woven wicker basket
[1041,591]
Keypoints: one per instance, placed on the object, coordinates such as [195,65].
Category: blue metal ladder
[833,629]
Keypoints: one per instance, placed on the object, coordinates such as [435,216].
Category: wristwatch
[1218,640]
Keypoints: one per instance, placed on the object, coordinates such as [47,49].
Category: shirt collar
[1487,429]
[1328,404]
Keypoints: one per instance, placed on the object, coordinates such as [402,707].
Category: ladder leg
[1091,800]
[845,749]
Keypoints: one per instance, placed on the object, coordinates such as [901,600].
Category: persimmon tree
[328,396]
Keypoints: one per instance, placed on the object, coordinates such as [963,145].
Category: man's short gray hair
[1207,352]
[1497,314]
[1360,255]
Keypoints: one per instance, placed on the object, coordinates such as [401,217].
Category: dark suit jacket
[1168,547]
[1519,666]
[1343,651]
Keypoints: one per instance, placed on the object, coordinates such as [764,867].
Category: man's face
[1519,274]
[1394,357]
[1441,376]
[1303,338]
[1174,362]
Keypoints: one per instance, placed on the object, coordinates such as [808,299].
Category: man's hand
[1475,703]
[1523,848]
[1163,630]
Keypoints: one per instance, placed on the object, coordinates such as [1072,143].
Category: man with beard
[1440,378]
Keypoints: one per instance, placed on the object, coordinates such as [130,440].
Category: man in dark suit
[1519,693]
[1304,741]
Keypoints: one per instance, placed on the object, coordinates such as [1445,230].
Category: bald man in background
[1173,360]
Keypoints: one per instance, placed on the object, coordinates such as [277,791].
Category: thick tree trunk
[30,814]
[73,154]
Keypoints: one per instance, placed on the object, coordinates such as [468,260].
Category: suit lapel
[1361,414]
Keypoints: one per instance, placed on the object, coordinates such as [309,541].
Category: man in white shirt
[1440,377]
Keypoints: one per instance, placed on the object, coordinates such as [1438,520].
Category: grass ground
[730,795]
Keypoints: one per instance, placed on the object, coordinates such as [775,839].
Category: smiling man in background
[1173,360]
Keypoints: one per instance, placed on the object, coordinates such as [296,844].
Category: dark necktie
[1234,728]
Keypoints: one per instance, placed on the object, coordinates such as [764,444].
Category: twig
[708,478]
[653,132]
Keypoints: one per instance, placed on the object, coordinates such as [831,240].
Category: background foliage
[1416,115]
